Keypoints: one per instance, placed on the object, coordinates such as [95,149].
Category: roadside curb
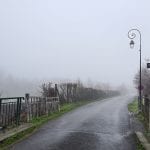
[13,132]
[142,139]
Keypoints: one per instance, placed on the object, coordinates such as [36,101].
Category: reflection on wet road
[101,125]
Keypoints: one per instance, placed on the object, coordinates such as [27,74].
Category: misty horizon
[87,40]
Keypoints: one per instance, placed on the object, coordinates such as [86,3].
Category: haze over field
[72,39]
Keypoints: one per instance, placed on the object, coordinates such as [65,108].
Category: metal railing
[17,110]
[10,110]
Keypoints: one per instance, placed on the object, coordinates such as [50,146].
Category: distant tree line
[71,92]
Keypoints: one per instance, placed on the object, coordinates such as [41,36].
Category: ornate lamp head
[132,44]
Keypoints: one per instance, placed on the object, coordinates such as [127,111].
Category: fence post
[18,111]
[46,105]
[27,96]
[58,104]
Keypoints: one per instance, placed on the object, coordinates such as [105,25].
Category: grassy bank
[38,122]
[133,108]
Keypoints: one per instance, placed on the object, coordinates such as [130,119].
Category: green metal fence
[10,110]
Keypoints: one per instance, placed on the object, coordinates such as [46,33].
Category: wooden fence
[16,110]
[38,106]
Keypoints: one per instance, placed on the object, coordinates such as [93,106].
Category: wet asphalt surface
[101,125]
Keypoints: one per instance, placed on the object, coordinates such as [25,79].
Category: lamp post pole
[132,34]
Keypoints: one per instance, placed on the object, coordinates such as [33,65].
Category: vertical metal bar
[17,113]
[20,99]
[5,113]
[9,113]
[140,81]
[14,111]
[2,114]
[140,94]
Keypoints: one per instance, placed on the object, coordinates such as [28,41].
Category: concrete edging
[15,131]
[143,140]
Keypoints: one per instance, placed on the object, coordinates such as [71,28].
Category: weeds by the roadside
[133,108]
[139,145]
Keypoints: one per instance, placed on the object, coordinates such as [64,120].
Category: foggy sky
[73,39]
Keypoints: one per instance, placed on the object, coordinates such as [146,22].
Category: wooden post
[46,106]
[28,107]
[18,111]
[56,91]
[57,99]
[67,92]
[58,104]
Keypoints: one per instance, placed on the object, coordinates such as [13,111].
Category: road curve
[101,125]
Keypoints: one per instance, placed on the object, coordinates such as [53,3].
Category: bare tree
[68,92]
[145,80]
[48,90]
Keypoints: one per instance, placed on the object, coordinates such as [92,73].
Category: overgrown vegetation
[37,122]
[146,94]
[139,145]
[133,107]
[145,80]
[72,92]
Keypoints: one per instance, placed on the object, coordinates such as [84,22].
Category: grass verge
[38,122]
[139,145]
[133,108]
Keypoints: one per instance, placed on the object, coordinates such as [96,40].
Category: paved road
[102,125]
